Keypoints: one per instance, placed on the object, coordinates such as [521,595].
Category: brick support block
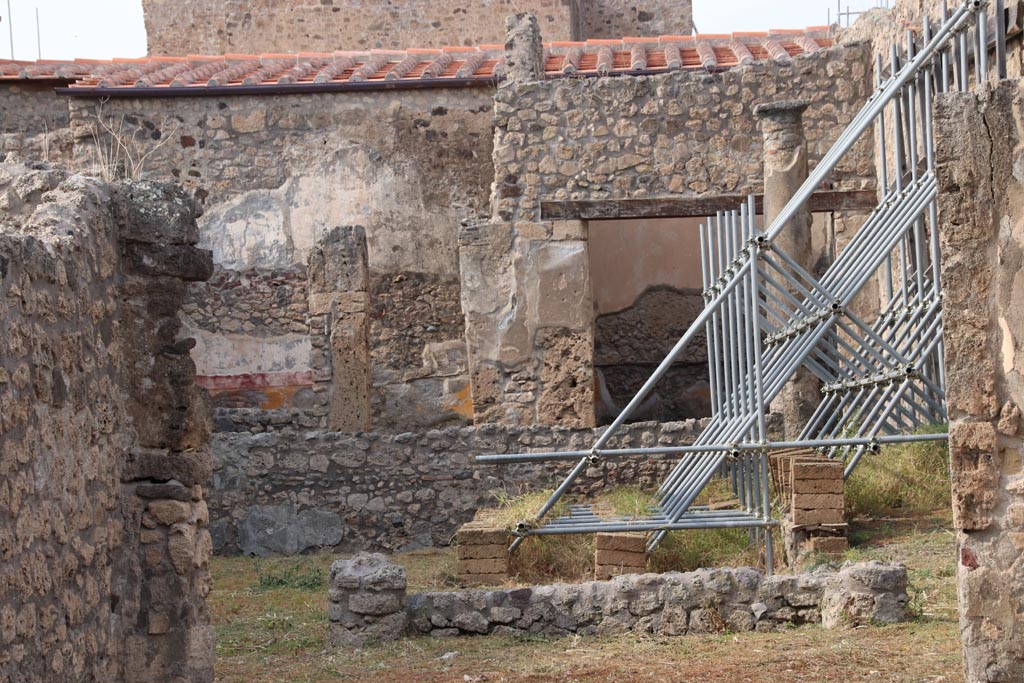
[620,558]
[628,542]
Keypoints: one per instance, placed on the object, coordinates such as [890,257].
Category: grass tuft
[907,478]
[302,574]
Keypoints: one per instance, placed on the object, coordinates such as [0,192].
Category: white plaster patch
[1008,346]
[276,229]
[236,354]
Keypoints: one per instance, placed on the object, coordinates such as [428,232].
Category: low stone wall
[281,490]
[366,603]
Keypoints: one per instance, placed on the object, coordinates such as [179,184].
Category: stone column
[785,170]
[524,49]
[339,325]
[981,204]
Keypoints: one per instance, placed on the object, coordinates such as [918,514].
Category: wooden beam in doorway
[822,201]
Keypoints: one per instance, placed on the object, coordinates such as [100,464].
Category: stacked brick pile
[620,553]
[482,552]
[813,486]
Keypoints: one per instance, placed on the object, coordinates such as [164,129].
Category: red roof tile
[391,68]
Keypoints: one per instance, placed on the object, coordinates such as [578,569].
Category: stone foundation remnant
[482,552]
[619,553]
[364,592]
[812,486]
[104,545]
[367,601]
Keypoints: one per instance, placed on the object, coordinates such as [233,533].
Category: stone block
[866,593]
[168,512]
[628,542]
[818,486]
[371,571]
[490,566]
[829,545]
[377,603]
[818,501]
[469,535]
[481,552]
[817,470]
[809,517]
[620,558]
[974,473]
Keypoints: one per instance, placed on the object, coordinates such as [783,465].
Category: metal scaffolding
[765,316]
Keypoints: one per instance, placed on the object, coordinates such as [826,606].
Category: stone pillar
[981,202]
[529,322]
[524,49]
[339,325]
[366,601]
[162,579]
[785,170]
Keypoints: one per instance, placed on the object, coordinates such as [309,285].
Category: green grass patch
[909,478]
[301,574]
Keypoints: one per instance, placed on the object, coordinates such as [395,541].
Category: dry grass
[276,634]
[906,479]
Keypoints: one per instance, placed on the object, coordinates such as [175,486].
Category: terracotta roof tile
[397,68]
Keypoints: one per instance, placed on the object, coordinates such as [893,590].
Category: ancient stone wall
[621,18]
[681,133]
[103,546]
[274,172]
[220,26]
[526,293]
[368,602]
[981,213]
[629,345]
[282,490]
[34,122]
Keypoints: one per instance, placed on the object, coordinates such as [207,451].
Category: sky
[101,29]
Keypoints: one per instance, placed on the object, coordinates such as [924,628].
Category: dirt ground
[270,617]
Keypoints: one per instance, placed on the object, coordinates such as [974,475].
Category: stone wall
[621,18]
[281,490]
[368,602]
[680,133]
[526,282]
[103,547]
[220,26]
[34,122]
[981,214]
[629,345]
[274,172]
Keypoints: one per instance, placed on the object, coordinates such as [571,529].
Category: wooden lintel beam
[694,207]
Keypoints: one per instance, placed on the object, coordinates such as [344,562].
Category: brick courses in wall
[265,26]
[103,542]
